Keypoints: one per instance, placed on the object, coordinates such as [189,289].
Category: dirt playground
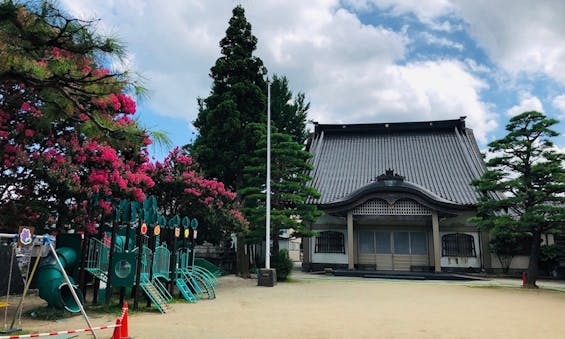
[327,307]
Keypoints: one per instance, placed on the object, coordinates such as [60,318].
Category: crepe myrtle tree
[523,189]
[68,142]
[182,190]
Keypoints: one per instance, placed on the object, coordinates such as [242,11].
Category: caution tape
[48,334]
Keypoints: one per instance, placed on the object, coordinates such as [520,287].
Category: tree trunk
[534,258]
[275,251]
[242,259]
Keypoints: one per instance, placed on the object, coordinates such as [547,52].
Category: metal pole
[26,287]
[71,288]
[268,226]
[13,246]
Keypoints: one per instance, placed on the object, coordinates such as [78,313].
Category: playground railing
[161,262]
[97,261]
[215,270]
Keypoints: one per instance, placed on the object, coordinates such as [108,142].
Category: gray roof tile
[441,156]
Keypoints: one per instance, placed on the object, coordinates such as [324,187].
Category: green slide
[51,283]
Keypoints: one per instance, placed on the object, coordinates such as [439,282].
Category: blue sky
[358,61]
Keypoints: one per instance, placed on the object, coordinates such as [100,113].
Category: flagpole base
[267,277]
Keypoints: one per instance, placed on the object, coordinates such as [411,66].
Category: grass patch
[49,313]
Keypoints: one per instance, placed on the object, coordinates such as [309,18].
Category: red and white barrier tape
[47,334]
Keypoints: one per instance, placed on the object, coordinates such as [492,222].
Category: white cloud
[528,102]
[559,103]
[443,42]
[351,72]
[521,36]
[427,11]
[412,92]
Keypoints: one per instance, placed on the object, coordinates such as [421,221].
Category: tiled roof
[441,156]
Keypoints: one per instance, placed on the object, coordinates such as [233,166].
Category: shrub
[283,265]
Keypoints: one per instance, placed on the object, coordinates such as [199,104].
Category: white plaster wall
[336,258]
[463,262]
[519,262]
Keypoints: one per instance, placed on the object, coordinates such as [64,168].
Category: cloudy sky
[358,61]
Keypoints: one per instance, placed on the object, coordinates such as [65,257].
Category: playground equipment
[201,281]
[54,277]
[53,286]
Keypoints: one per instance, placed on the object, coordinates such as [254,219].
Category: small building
[396,197]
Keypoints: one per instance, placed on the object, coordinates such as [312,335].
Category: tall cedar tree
[236,100]
[289,192]
[523,188]
[288,114]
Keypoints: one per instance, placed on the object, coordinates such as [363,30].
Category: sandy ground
[320,307]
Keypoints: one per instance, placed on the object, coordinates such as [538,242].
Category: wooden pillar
[350,258]
[437,244]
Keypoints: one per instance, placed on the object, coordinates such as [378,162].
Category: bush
[283,265]
[549,258]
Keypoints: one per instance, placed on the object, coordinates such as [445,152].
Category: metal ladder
[156,297]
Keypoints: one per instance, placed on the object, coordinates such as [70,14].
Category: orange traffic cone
[124,327]
[117,330]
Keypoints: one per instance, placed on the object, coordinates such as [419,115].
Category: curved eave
[395,190]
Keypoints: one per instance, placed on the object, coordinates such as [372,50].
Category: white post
[268,221]
[71,288]
[437,243]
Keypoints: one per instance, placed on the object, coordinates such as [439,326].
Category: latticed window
[458,245]
[330,242]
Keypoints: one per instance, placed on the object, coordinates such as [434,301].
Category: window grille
[400,207]
[330,242]
[458,245]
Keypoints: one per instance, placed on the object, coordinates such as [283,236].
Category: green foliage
[283,265]
[288,114]
[522,192]
[549,258]
[290,194]
[236,101]
[505,245]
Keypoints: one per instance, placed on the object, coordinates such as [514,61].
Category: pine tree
[288,114]
[523,188]
[236,100]
[290,207]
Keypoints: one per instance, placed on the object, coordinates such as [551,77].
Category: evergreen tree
[236,100]
[288,114]
[290,207]
[523,188]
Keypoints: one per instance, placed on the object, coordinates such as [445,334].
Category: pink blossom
[29,133]
[4,134]
[114,101]
[101,72]
[138,194]
[127,103]
[86,69]
[106,206]
[75,178]
[91,227]
[25,106]
[42,63]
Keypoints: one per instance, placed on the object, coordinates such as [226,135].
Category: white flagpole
[268,226]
